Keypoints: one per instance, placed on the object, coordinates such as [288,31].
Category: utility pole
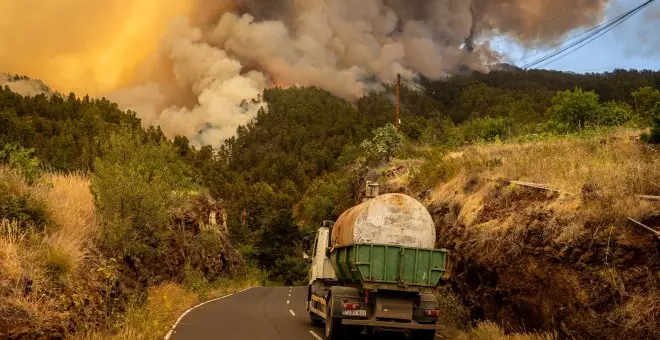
[398,100]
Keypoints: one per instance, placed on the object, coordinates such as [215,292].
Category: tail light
[351,305]
[434,313]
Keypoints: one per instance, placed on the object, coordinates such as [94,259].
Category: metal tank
[388,219]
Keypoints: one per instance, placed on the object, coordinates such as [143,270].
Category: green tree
[645,100]
[22,160]
[655,131]
[485,129]
[386,143]
[136,181]
[575,109]
[614,113]
[326,198]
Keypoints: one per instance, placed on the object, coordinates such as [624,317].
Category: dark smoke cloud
[229,50]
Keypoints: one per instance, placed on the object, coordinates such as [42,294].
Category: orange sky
[83,46]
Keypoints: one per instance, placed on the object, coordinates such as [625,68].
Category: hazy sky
[634,44]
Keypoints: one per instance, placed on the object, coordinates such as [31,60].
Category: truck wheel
[315,319]
[333,327]
[423,335]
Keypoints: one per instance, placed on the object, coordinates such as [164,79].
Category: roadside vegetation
[105,223]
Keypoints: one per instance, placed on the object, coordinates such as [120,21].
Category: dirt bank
[530,259]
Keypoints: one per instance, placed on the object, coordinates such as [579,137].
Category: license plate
[357,312]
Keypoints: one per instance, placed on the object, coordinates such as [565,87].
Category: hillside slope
[566,260]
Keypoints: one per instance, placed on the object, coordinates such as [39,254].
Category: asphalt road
[264,313]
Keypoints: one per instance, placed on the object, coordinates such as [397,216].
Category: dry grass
[71,205]
[39,258]
[599,177]
[491,331]
[641,312]
[617,166]
[165,303]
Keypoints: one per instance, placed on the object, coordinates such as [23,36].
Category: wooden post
[398,101]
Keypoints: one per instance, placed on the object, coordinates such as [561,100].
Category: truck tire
[423,335]
[315,319]
[333,327]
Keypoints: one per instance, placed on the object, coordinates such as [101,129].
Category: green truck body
[375,270]
[389,267]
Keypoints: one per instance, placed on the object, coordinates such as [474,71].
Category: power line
[552,19]
[586,41]
[589,36]
[583,38]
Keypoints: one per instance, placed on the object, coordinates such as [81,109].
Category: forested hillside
[301,160]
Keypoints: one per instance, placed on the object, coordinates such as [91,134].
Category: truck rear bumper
[389,324]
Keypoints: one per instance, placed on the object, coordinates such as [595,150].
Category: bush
[326,198]
[655,131]
[135,183]
[441,130]
[485,129]
[575,109]
[646,99]
[455,314]
[22,160]
[433,171]
[20,202]
[614,114]
[386,143]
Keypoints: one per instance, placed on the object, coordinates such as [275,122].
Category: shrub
[655,130]
[646,99]
[575,109]
[22,160]
[386,143]
[433,171]
[134,184]
[441,130]
[485,129]
[455,313]
[326,198]
[19,202]
[614,113]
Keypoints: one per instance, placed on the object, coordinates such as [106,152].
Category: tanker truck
[375,269]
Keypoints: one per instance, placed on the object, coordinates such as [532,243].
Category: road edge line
[171,331]
[315,335]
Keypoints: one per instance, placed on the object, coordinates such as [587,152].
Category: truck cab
[321,268]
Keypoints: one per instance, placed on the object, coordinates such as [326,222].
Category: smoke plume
[23,85]
[193,66]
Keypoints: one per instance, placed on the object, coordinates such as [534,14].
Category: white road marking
[287,302]
[315,335]
[171,331]
[292,313]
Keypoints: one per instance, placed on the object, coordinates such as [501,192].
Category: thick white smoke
[209,67]
[23,86]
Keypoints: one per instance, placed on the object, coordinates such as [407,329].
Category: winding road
[264,313]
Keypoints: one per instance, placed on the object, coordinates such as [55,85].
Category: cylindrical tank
[394,219]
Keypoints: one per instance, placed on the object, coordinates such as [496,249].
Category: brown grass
[71,205]
[165,303]
[38,261]
[598,176]
[641,312]
[490,331]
